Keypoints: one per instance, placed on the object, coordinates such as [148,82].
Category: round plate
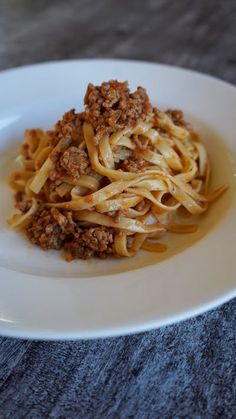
[41,295]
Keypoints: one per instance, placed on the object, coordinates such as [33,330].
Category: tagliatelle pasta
[113,179]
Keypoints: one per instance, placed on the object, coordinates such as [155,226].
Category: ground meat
[65,221]
[50,228]
[111,107]
[57,174]
[54,229]
[72,163]
[69,127]
[134,164]
[69,159]
[75,161]
[89,242]
[177,117]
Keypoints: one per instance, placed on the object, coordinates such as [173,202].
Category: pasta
[112,179]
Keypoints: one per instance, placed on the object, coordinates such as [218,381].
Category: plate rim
[47,335]
[121,60]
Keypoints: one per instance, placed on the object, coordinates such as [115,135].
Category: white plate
[42,296]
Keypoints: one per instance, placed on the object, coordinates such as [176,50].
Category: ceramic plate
[41,295]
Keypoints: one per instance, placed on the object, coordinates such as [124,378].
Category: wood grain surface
[181,371]
[196,34]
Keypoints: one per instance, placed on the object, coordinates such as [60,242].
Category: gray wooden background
[182,371]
